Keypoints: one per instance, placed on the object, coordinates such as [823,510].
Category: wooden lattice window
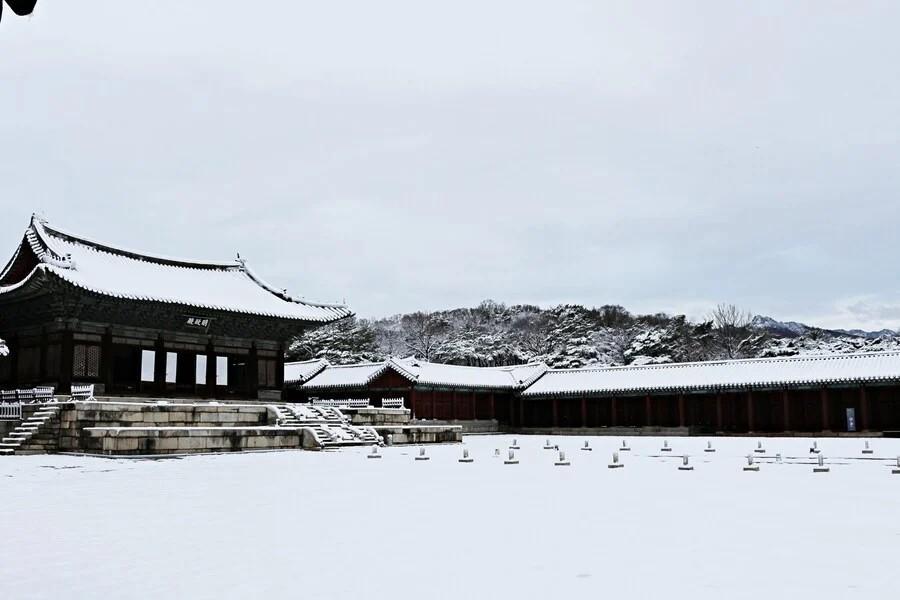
[86,361]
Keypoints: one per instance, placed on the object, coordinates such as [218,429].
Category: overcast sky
[407,155]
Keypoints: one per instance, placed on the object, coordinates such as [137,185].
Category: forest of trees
[493,334]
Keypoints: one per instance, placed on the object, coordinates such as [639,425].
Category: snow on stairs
[38,434]
[329,426]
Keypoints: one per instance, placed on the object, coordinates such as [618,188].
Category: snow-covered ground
[329,525]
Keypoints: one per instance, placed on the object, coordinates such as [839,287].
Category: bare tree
[731,326]
[424,333]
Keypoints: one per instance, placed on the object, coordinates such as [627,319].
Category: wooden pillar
[493,406]
[42,370]
[614,411]
[412,403]
[252,385]
[826,424]
[210,370]
[786,407]
[279,366]
[433,404]
[648,406]
[106,360]
[720,421]
[681,415]
[555,412]
[159,366]
[67,351]
[521,412]
[863,408]
[584,422]
[750,423]
[453,413]
[474,406]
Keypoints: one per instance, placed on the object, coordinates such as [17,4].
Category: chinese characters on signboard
[198,322]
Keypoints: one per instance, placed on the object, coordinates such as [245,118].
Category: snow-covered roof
[427,373]
[760,373]
[346,376]
[120,273]
[441,375]
[301,371]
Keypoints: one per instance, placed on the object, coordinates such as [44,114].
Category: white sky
[413,155]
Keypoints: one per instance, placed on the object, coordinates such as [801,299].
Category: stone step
[7,452]
[12,445]
[20,434]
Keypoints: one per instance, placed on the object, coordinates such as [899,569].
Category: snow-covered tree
[4,350]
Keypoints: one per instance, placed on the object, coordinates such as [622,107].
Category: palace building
[77,311]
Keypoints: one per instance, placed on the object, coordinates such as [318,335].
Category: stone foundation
[421,434]
[186,440]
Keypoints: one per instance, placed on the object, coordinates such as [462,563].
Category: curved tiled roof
[301,371]
[427,374]
[759,373]
[121,273]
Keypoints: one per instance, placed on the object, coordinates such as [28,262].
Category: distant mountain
[571,336]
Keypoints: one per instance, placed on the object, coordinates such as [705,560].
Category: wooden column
[210,370]
[720,421]
[252,385]
[648,405]
[42,370]
[750,423]
[433,404]
[493,406]
[474,408]
[453,414]
[159,367]
[786,407]
[863,408]
[106,360]
[555,412]
[681,415]
[584,422]
[66,357]
[614,411]
[279,366]
[826,424]
[412,403]
[521,412]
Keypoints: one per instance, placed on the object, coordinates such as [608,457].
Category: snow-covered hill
[573,336]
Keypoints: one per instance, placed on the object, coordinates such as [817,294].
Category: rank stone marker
[684,464]
[666,447]
[422,455]
[751,466]
[547,445]
[815,448]
[587,446]
[867,450]
[709,447]
[759,448]
[615,464]
[896,470]
[465,457]
[821,468]
[624,447]
[562,462]
[374,453]
[512,460]
[514,445]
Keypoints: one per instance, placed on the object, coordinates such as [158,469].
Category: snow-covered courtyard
[339,525]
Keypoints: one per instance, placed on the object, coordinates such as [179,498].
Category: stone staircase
[37,434]
[328,426]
